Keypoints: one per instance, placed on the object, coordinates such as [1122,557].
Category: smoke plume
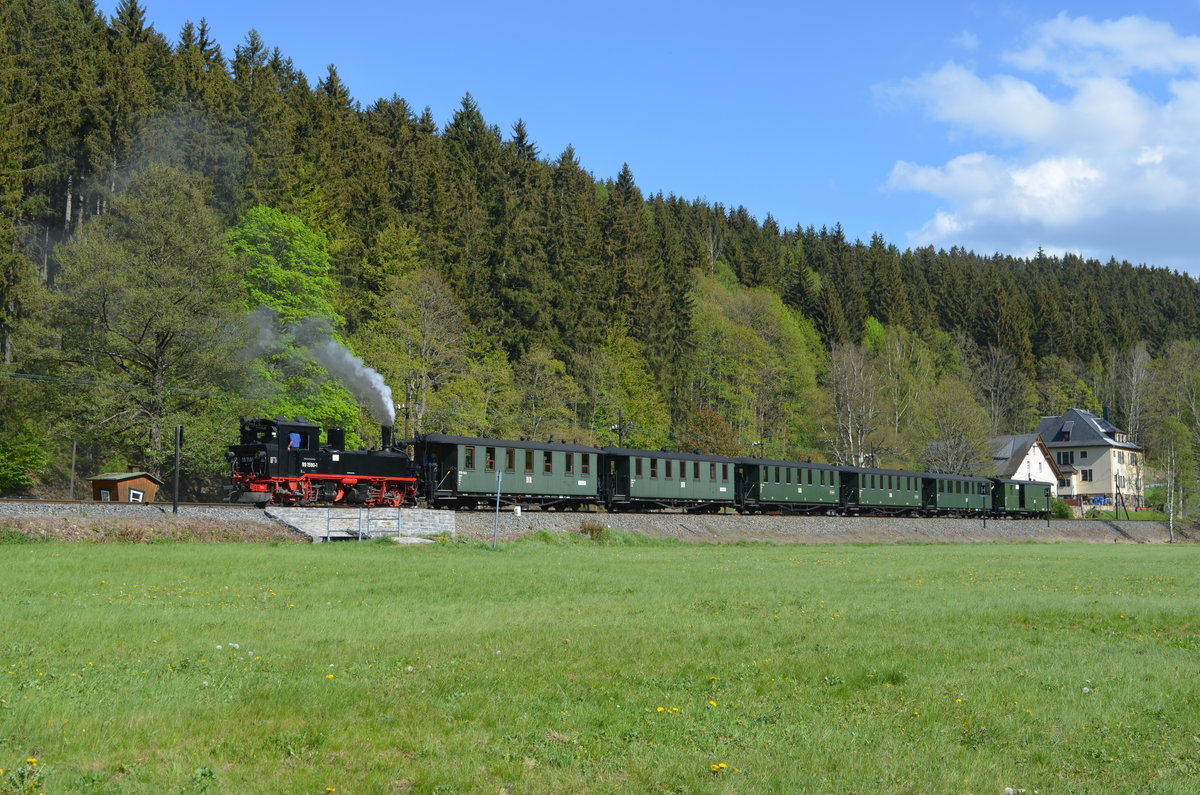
[315,336]
[364,382]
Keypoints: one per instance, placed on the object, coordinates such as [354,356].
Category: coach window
[570,463]
[547,462]
[528,462]
[637,467]
[725,472]
[510,460]
[712,471]
[695,470]
[776,474]
[822,477]
[667,474]
[654,467]
[469,457]
[587,463]
[489,461]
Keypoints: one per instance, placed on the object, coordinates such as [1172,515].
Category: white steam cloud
[364,382]
[316,337]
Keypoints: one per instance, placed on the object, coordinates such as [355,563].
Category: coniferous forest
[188,227]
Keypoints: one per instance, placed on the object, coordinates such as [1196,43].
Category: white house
[1099,465]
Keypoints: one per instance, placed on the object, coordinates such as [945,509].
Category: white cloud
[966,40]
[1088,149]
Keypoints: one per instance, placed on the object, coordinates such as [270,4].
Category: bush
[1060,510]
[597,532]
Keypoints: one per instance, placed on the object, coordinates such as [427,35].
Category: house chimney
[1104,413]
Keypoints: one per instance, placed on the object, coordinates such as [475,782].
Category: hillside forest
[191,232]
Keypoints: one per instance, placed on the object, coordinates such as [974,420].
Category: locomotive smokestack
[387,436]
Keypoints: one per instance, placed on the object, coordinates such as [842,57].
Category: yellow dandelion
[713,768]
[31,760]
[328,676]
[722,765]
[712,703]
[662,709]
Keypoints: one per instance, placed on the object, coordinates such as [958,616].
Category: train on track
[284,462]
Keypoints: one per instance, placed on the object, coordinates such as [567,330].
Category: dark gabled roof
[1081,428]
[118,476]
[1009,451]
[517,444]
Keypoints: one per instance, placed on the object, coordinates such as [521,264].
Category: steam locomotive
[283,462]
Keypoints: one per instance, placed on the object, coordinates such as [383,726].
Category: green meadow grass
[561,665]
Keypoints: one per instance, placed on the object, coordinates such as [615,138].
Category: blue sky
[993,126]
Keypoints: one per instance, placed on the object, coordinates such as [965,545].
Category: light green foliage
[756,362]
[23,455]
[618,386]
[954,429]
[285,265]
[548,395]
[148,309]
[582,666]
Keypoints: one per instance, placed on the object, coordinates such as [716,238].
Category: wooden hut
[124,487]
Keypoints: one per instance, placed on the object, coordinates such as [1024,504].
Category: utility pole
[178,447]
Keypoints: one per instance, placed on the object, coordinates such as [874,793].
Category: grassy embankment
[584,667]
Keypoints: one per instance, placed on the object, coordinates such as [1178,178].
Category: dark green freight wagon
[956,494]
[648,479]
[466,472]
[1020,498]
[881,491]
[787,486]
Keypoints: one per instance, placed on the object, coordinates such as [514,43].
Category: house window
[1133,459]
[1085,475]
[105,495]
[1082,454]
[136,496]
[1120,457]
[1064,484]
[469,457]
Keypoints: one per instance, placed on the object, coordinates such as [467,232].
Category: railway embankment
[80,521]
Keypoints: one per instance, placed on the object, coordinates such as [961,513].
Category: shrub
[1060,510]
[597,532]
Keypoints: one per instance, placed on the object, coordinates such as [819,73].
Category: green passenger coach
[787,486]
[957,494]
[466,472]
[1019,498]
[641,479]
[881,491]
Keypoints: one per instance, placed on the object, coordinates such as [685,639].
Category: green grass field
[562,665]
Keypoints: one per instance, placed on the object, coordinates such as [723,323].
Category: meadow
[558,664]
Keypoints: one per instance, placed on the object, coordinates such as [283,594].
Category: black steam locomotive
[283,462]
